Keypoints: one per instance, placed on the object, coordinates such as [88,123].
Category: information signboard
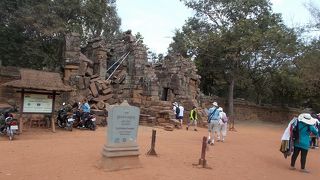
[37,103]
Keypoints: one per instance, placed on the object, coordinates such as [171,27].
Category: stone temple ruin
[107,74]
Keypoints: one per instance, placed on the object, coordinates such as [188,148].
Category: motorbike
[89,122]
[9,126]
[65,119]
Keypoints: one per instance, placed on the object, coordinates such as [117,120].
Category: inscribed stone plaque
[123,124]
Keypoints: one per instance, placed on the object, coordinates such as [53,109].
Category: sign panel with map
[37,103]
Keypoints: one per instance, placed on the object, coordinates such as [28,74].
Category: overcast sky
[156,20]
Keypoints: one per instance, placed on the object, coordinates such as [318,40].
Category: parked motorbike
[8,125]
[89,121]
[64,119]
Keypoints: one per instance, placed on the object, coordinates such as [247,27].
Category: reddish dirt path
[251,153]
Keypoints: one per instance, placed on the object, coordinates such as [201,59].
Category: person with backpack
[213,122]
[301,139]
[180,114]
[178,111]
[193,118]
[223,125]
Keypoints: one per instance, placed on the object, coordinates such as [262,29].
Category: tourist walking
[314,143]
[301,136]
[222,132]
[213,122]
[180,116]
[193,118]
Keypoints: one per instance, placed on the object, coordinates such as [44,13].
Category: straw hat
[307,118]
[215,104]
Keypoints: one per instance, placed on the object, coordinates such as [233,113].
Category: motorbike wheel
[92,126]
[76,123]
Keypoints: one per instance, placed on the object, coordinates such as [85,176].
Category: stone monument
[121,150]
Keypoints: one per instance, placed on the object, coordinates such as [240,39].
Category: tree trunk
[230,97]
[230,104]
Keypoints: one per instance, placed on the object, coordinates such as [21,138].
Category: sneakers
[304,171]
[292,168]
[210,142]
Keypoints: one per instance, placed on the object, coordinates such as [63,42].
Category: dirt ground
[250,153]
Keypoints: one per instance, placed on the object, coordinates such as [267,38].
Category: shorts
[180,117]
[213,125]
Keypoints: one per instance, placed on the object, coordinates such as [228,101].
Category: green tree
[308,66]
[32,32]
[237,36]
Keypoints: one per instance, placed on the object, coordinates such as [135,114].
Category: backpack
[224,118]
[177,110]
[296,130]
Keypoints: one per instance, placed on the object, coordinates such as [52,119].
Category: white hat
[175,104]
[215,104]
[307,118]
[220,109]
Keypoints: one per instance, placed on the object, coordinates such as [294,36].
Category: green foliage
[32,32]
[241,42]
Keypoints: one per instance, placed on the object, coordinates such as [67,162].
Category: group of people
[217,124]
[301,134]
[217,121]
[178,109]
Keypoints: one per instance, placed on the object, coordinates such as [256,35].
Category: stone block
[89,71]
[86,82]
[103,98]
[99,87]
[94,90]
[82,68]
[80,82]
[106,91]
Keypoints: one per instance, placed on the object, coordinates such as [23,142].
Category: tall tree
[32,32]
[236,36]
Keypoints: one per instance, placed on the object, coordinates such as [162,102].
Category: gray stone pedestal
[121,150]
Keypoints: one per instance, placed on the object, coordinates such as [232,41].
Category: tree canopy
[32,32]
[242,50]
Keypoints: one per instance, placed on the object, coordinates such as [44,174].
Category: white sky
[156,20]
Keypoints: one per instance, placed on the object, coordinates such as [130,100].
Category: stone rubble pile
[108,74]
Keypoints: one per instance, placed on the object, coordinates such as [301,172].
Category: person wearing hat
[177,111]
[301,144]
[222,132]
[213,122]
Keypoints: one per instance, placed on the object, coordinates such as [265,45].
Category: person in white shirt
[223,125]
[180,116]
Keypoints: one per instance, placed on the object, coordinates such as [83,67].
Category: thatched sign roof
[39,80]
